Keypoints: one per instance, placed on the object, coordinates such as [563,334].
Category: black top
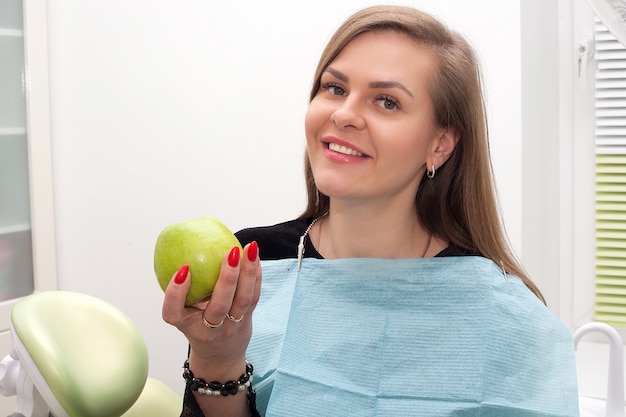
[280,241]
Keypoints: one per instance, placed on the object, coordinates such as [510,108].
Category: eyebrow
[374,84]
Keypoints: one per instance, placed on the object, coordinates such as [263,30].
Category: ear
[442,147]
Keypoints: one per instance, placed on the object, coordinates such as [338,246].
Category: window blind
[610,144]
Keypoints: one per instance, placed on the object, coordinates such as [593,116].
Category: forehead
[386,54]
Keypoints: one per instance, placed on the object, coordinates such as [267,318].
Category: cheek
[407,148]
[314,119]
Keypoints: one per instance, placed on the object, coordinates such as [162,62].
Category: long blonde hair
[460,203]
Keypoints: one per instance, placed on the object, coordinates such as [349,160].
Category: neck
[374,232]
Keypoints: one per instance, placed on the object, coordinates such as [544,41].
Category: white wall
[164,110]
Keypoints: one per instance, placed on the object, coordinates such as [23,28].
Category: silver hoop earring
[431,174]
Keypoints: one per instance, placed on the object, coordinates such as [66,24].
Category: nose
[348,115]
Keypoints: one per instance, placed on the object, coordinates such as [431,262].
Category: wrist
[220,369]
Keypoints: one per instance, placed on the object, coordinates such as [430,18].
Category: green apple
[200,243]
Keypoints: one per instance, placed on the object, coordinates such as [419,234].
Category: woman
[397,169]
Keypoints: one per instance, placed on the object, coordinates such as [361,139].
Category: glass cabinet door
[27,241]
[16,257]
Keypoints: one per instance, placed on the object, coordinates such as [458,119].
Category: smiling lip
[340,150]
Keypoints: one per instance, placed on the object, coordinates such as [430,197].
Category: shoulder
[278,241]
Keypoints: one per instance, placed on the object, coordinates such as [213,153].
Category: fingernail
[181,275]
[233,257]
[253,251]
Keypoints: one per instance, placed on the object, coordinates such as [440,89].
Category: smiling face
[370,131]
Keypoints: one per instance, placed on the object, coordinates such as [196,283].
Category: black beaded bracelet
[217,388]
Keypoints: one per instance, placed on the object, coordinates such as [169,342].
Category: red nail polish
[253,251]
[181,275]
[233,257]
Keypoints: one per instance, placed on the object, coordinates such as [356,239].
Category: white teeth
[343,149]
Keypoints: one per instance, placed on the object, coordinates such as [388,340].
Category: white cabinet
[27,249]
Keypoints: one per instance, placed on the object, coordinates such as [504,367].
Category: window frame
[558,118]
[558,243]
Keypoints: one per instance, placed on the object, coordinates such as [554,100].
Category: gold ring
[234,319]
[209,324]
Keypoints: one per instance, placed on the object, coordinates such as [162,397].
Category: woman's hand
[218,330]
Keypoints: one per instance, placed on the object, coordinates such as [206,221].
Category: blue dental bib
[412,337]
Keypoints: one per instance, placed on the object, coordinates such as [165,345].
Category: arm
[218,350]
